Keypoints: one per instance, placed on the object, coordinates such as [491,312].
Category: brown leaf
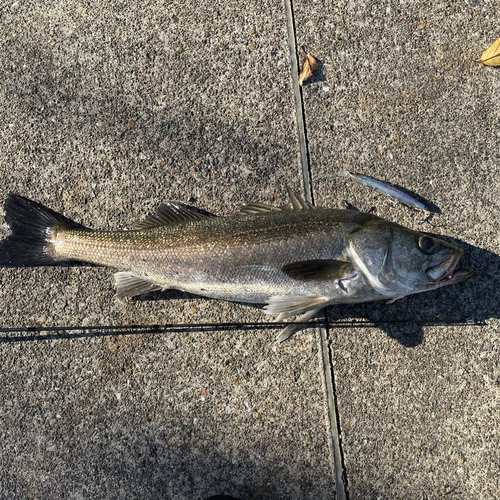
[307,66]
[491,57]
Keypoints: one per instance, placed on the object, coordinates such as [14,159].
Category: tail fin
[32,226]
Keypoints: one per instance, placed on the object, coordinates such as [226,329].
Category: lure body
[386,189]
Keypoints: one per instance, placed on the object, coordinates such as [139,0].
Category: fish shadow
[468,304]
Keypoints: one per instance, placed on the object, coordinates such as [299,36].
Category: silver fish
[297,258]
[386,189]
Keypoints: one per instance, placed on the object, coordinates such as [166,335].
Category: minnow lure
[386,189]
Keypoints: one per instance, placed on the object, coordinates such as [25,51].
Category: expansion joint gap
[299,103]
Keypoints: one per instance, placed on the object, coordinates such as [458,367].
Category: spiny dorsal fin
[170,212]
[129,284]
[295,202]
[257,208]
[318,270]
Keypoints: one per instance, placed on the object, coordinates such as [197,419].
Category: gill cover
[369,249]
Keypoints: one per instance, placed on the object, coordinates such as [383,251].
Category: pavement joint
[333,415]
[339,470]
[299,105]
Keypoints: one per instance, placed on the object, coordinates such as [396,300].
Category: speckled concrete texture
[184,415]
[397,98]
[108,109]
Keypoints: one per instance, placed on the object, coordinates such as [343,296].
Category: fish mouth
[447,272]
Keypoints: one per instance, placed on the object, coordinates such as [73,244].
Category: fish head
[397,261]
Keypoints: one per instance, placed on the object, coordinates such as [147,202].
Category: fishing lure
[386,189]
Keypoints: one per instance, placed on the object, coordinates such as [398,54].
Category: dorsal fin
[170,212]
[295,202]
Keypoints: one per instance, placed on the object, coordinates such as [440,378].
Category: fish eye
[428,245]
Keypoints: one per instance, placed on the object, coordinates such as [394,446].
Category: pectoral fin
[318,270]
[129,284]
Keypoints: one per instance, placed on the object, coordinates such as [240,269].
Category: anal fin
[129,284]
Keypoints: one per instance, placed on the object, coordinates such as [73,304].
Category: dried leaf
[307,66]
[491,57]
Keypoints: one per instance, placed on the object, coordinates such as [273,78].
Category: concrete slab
[397,98]
[108,110]
[183,415]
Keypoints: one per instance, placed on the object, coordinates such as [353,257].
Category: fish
[387,189]
[295,259]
